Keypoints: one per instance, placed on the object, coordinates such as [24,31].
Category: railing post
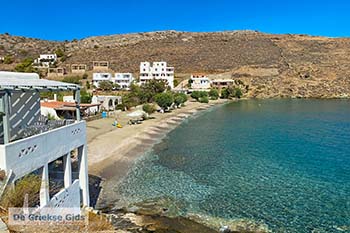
[83,174]
[5,117]
[44,189]
[77,102]
[67,170]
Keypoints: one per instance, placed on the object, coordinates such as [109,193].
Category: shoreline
[113,152]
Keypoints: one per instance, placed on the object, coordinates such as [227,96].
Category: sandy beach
[112,150]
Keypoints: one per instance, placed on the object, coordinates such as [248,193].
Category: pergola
[11,82]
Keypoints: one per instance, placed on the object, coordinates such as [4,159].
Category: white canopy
[22,81]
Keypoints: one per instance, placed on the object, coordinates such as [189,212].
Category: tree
[213,94]
[238,92]
[148,108]
[180,98]
[25,66]
[8,59]
[88,86]
[164,100]
[59,52]
[106,85]
[231,92]
[225,94]
[199,94]
[150,89]
[85,97]
[204,99]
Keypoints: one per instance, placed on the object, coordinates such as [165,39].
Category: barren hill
[272,65]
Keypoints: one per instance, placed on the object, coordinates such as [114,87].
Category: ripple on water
[283,163]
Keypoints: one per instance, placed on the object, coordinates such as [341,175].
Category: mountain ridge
[273,65]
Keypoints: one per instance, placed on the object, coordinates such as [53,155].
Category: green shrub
[8,59]
[14,196]
[149,108]
[199,94]
[213,94]
[164,100]
[25,66]
[106,85]
[85,76]
[59,52]
[231,92]
[238,93]
[72,79]
[180,98]
[204,100]
[85,97]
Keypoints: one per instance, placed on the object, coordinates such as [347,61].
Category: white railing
[28,154]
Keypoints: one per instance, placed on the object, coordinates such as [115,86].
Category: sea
[283,163]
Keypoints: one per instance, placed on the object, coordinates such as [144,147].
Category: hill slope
[272,65]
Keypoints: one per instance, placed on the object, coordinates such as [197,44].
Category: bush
[25,66]
[149,108]
[238,93]
[88,85]
[85,97]
[164,100]
[231,92]
[8,59]
[199,94]
[180,98]
[204,100]
[59,52]
[85,76]
[72,79]
[106,85]
[14,197]
[213,94]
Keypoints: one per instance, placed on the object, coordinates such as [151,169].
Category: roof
[31,81]
[60,104]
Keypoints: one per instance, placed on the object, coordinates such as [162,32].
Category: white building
[29,143]
[158,70]
[99,77]
[199,81]
[124,80]
[106,103]
[45,60]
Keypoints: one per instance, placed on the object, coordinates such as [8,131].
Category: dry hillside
[272,65]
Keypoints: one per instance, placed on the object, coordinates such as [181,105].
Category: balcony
[26,155]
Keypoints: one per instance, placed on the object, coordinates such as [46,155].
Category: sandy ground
[112,150]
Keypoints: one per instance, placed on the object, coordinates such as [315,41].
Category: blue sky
[69,19]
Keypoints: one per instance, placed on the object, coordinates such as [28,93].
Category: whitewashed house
[124,80]
[29,143]
[199,82]
[45,60]
[104,102]
[158,70]
[99,77]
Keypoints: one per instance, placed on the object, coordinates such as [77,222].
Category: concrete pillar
[67,170]
[5,109]
[77,102]
[44,189]
[83,174]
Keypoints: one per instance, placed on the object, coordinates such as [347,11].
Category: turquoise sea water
[285,163]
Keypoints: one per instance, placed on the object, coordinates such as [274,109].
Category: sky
[76,19]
